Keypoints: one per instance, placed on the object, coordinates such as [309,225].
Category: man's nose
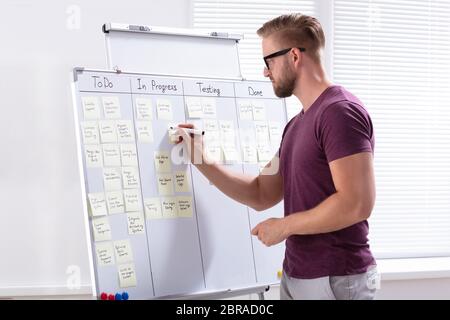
[266,72]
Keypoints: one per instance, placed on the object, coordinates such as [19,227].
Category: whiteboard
[184,52]
[203,250]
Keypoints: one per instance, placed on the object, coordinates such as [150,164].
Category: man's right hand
[193,143]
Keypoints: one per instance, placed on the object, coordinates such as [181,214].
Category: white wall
[41,220]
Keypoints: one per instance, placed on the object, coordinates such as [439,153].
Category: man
[325,172]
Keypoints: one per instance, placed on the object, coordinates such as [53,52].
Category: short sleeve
[344,129]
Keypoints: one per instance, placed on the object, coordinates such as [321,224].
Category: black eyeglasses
[279,53]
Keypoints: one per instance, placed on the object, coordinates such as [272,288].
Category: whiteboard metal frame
[220,294]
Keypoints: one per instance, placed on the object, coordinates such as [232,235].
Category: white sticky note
[111,155]
[152,208]
[89,131]
[111,107]
[91,109]
[108,131]
[101,229]
[128,155]
[182,183]
[169,207]
[114,201]
[249,154]
[112,179]
[184,207]
[209,108]
[227,133]
[262,133]
[275,133]
[194,107]
[229,153]
[210,125]
[127,276]
[214,153]
[125,132]
[144,109]
[164,109]
[105,253]
[97,204]
[123,251]
[144,130]
[259,110]
[165,184]
[245,110]
[130,177]
[132,198]
[162,161]
[136,223]
[93,156]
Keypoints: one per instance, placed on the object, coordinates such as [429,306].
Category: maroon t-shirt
[335,126]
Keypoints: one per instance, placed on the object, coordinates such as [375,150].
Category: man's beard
[284,88]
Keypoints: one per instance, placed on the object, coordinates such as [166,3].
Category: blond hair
[296,30]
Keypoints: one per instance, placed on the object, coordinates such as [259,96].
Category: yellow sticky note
[127,275]
[123,252]
[112,179]
[130,176]
[101,229]
[162,162]
[165,184]
[245,110]
[128,155]
[105,254]
[152,208]
[97,204]
[125,132]
[209,108]
[89,131]
[136,223]
[93,156]
[249,154]
[132,200]
[184,207]
[111,155]
[91,109]
[259,110]
[144,109]
[182,181]
[169,207]
[111,107]
[164,109]
[144,131]
[108,131]
[114,201]
[194,107]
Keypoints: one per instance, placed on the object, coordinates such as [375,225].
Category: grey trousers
[354,287]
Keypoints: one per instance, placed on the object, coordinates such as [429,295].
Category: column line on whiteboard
[193,196]
[242,166]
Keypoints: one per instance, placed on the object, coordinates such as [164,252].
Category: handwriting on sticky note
[127,276]
[144,131]
[165,184]
[89,131]
[108,131]
[101,229]
[182,181]
[114,201]
[162,162]
[136,223]
[111,107]
[245,110]
[111,155]
[259,110]
[125,131]
[130,177]
[111,179]
[144,109]
[169,207]
[152,208]
[91,108]
[164,109]
[209,108]
[93,156]
[123,251]
[105,254]
[128,155]
[132,200]
[184,207]
[97,204]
